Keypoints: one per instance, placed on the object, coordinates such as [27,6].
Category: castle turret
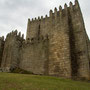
[80,62]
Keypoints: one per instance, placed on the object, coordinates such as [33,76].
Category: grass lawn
[10,81]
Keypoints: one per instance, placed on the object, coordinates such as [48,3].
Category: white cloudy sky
[15,13]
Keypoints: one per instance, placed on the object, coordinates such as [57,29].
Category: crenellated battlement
[38,18]
[15,34]
[55,16]
[56,12]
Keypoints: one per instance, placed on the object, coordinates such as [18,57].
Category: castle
[56,45]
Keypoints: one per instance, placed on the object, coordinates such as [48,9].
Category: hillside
[10,81]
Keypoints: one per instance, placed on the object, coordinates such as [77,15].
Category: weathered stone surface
[34,57]
[11,53]
[80,60]
[1,48]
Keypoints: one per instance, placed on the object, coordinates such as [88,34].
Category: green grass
[10,81]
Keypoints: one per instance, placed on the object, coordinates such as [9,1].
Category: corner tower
[78,42]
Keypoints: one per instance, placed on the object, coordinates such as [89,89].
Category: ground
[11,81]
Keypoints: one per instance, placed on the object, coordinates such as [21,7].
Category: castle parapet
[57,13]
[15,34]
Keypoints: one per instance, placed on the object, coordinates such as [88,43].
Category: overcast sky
[15,13]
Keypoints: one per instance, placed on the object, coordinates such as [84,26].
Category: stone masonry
[11,52]
[56,45]
[1,48]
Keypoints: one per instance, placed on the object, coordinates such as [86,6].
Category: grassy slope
[32,82]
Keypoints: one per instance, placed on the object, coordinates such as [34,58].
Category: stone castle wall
[59,58]
[57,45]
[34,56]
[80,62]
[88,50]
[11,51]
[1,48]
